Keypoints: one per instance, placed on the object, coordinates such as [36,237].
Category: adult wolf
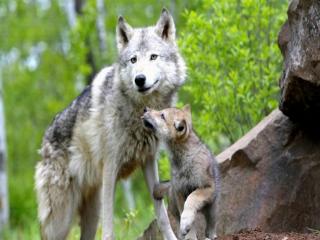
[99,137]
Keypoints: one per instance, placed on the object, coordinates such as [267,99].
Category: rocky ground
[258,235]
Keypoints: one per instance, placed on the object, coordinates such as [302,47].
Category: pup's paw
[187,218]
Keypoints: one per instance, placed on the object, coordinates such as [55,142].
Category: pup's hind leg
[191,235]
[210,214]
[89,213]
[56,200]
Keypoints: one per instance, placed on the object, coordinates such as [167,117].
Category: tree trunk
[70,8]
[89,57]
[4,207]
[101,28]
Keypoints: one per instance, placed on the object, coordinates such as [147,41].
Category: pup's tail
[214,209]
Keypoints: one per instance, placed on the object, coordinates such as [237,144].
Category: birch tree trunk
[101,28]
[4,206]
[70,9]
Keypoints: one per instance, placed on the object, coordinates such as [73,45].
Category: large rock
[300,47]
[270,179]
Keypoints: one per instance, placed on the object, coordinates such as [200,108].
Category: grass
[128,227]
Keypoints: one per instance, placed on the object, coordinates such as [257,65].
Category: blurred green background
[49,51]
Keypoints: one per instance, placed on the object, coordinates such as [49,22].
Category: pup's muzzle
[147,120]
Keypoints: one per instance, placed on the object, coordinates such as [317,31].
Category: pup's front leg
[150,170]
[110,171]
[194,202]
[161,189]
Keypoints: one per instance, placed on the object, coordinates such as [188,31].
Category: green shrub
[233,65]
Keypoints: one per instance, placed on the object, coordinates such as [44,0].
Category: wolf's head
[149,60]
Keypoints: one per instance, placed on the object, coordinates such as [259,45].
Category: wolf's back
[60,131]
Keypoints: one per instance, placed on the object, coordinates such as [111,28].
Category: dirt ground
[258,235]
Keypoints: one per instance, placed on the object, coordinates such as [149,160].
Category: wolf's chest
[137,148]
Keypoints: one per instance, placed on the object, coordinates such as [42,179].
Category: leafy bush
[234,64]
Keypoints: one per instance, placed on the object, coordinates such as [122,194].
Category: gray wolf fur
[99,137]
[194,170]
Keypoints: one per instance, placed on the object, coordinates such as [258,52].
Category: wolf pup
[194,170]
[99,138]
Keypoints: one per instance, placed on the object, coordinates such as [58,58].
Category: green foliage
[31,96]
[234,64]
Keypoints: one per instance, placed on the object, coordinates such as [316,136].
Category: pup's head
[170,124]
[149,60]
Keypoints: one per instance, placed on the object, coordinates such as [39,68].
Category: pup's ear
[187,110]
[165,27]
[124,33]
[180,126]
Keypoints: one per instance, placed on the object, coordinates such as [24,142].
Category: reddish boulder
[270,179]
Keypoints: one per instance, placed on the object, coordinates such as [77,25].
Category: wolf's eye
[162,116]
[153,57]
[133,59]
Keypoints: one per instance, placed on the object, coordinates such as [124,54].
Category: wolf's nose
[146,109]
[140,80]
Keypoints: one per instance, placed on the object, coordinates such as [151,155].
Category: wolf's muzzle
[145,89]
[140,80]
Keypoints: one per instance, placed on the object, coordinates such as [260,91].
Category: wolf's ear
[124,33]
[165,27]
[187,111]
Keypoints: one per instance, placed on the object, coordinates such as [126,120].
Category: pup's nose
[146,109]
[140,80]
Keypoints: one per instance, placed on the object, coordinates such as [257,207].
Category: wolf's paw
[212,238]
[187,218]
[190,238]
[171,237]
[108,237]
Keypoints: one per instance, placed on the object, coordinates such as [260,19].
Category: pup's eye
[153,57]
[133,59]
[162,116]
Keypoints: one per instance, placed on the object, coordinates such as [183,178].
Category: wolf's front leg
[108,189]
[150,170]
